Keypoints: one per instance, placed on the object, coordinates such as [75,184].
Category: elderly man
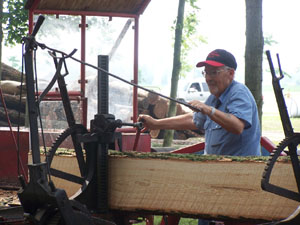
[229,116]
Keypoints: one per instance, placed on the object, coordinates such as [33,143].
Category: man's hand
[203,108]
[148,121]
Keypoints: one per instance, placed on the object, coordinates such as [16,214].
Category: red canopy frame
[116,8]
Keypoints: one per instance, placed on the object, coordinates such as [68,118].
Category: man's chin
[213,90]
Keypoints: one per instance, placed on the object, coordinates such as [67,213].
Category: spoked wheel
[288,145]
[71,173]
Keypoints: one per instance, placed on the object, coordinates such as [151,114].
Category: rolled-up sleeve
[199,120]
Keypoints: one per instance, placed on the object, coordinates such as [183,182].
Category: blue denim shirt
[237,100]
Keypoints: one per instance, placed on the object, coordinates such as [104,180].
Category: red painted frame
[81,95]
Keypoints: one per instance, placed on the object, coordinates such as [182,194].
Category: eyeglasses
[213,73]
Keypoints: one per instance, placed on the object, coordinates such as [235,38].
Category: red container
[9,156]
[143,145]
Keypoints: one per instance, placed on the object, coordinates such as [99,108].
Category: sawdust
[8,198]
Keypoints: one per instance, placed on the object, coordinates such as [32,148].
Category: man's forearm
[228,121]
[181,122]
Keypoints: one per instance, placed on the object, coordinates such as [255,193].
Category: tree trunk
[254,51]
[1,36]
[168,138]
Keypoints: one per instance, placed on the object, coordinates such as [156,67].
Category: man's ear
[232,72]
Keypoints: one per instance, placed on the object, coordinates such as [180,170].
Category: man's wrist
[213,111]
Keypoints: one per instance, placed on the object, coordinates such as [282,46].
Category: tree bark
[1,36]
[168,138]
[254,51]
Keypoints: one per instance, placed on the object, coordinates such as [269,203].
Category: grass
[183,221]
[272,126]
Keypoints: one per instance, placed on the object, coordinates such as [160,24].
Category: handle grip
[38,25]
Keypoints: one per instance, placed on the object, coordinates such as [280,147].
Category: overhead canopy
[83,8]
[89,7]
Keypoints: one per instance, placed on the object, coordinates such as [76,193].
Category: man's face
[218,78]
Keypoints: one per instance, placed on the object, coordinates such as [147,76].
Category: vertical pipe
[135,68]
[82,69]
[30,15]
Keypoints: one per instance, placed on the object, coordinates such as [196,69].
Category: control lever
[139,126]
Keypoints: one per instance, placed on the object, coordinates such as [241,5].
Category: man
[229,116]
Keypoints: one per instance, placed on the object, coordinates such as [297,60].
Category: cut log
[13,116]
[12,87]
[13,102]
[154,133]
[217,189]
[143,103]
[179,135]
[142,93]
[9,73]
[152,98]
[161,108]
[196,186]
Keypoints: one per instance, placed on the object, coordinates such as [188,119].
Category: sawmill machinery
[288,146]
[43,203]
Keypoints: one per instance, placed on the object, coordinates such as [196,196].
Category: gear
[82,157]
[291,143]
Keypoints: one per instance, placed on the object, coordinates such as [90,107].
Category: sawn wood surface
[220,188]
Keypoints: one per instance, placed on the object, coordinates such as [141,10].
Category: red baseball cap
[219,57]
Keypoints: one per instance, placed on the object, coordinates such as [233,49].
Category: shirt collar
[224,94]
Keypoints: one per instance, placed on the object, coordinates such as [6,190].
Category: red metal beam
[135,68]
[84,13]
[31,12]
[143,7]
[82,70]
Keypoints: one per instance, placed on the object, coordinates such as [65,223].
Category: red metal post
[135,68]
[82,70]
[30,28]
[31,12]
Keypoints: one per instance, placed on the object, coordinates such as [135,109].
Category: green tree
[14,20]
[15,23]
[185,28]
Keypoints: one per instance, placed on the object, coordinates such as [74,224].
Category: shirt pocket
[216,133]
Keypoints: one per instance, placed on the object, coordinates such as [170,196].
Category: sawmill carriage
[44,203]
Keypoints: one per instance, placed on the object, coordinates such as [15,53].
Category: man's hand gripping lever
[139,128]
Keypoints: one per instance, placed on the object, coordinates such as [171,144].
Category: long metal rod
[43,46]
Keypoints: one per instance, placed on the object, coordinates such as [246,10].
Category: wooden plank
[216,188]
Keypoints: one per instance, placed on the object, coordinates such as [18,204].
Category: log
[152,98]
[13,102]
[9,73]
[161,108]
[154,133]
[12,87]
[142,93]
[13,116]
[195,186]
[179,135]
[143,103]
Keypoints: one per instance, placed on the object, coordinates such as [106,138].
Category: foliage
[15,21]
[190,38]
[15,62]
[269,41]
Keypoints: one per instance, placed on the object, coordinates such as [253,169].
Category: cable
[39,115]
[65,55]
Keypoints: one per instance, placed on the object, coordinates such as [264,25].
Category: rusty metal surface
[108,6]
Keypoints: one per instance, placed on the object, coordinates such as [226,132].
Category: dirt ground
[8,198]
